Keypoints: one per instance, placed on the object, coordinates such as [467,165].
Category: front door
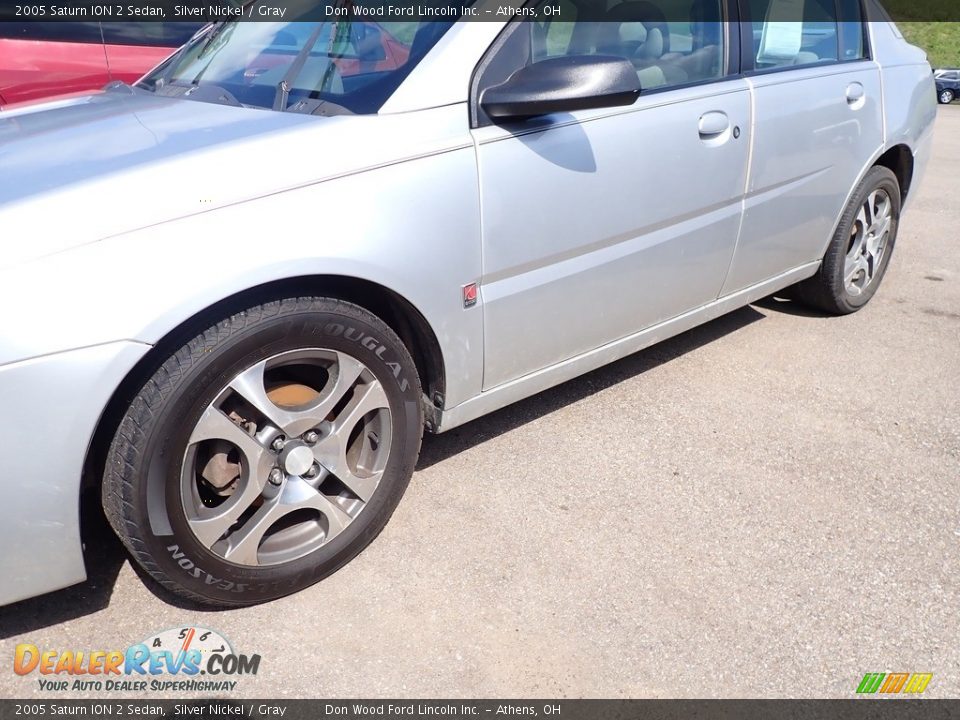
[600,223]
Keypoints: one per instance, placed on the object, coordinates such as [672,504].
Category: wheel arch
[396,311]
[899,160]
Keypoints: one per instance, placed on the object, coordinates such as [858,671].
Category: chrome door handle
[712,124]
[855,93]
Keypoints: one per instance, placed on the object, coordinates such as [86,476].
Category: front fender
[382,226]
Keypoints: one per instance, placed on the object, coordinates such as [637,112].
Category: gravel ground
[765,506]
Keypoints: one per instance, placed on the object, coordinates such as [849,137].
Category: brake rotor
[292,395]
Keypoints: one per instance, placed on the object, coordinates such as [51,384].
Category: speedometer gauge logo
[181,641]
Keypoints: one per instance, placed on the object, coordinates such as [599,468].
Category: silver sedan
[237,292]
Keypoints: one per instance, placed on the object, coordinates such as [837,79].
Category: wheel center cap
[296,458]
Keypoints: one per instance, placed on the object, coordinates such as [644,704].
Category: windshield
[334,66]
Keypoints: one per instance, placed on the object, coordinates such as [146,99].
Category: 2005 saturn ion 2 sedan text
[235,294]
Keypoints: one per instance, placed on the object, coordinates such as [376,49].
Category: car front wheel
[266,452]
[946,97]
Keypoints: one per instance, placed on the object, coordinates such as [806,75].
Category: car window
[852,30]
[791,33]
[688,48]
[76,32]
[332,66]
[152,34]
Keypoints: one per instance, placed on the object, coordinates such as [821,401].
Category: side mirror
[563,84]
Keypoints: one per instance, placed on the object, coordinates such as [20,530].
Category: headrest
[638,11]
[653,47]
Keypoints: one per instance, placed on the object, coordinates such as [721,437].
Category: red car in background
[45,59]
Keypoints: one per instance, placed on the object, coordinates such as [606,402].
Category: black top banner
[464,10]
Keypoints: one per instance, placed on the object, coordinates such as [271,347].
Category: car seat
[638,31]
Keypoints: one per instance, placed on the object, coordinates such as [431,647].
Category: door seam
[751,91]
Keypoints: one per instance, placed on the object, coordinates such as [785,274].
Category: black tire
[826,290]
[142,477]
[945,97]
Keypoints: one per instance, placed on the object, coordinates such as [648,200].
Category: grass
[916,10]
[941,40]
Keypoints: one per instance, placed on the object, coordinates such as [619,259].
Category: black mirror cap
[563,84]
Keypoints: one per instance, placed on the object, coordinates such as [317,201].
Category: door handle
[855,93]
[712,124]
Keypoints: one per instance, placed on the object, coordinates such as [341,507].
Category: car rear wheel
[857,257]
[946,97]
[266,452]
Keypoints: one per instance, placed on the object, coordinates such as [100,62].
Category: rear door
[818,122]
[600,223]
[44,59]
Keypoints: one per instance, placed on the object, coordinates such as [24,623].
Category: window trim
[733,59]
[748,58]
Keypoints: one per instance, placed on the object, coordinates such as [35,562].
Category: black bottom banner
[481,709]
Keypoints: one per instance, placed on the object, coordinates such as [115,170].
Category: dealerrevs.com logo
[190,659]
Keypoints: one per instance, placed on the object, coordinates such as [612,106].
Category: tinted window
[852,37]
[325,67]
[156,34]
[788,33]
[81,32]
[687,49]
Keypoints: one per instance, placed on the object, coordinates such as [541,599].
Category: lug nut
[278,443]
[275,477]
[312,472]
[312,437]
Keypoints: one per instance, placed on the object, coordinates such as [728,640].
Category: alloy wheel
[285,457]
[868,242]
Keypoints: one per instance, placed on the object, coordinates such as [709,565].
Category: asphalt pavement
[767,506]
